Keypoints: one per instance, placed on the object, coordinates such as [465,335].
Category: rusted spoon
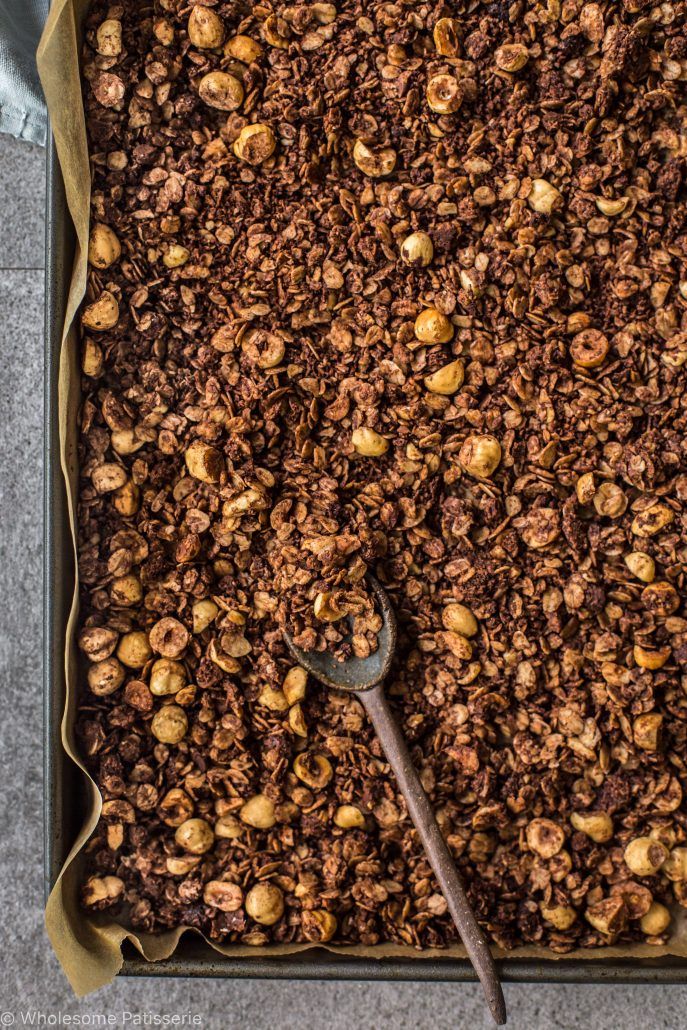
[364,676]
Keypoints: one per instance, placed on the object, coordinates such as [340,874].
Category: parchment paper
[89,946]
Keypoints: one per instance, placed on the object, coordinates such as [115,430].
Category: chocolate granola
[400,288]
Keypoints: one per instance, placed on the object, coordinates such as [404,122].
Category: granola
[397,287]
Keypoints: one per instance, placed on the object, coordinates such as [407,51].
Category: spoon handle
[439,856]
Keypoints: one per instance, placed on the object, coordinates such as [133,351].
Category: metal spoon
[364,676]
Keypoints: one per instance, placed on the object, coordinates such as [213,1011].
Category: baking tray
[64,794]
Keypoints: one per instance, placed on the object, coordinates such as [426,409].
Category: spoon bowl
[354,674]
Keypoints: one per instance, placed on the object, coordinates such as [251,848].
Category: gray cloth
[22,109]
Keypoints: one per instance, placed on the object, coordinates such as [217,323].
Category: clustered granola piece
[397,287]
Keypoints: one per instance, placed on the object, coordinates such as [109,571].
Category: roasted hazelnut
[610,207]
[585,488]
[369,442]
[650,658]
[224,339]
[459,646]
[228,827]
[544,837]
[243,48]
[169,637]
[176,807]
[134,649]
[265,903]
[431,326]
[221,660]
[636,896]
[444,94]
[255,144]
[641,565]
[109,90]
[108,477]
[675,865]
[294,684]
[258,812]
[324,13]
[275,32]
[661,599]
[126,499]
[318,925]
[644,856]
[163,32]
[195,835]
[417,249]
[646,731]
[666,833]
[175,256]
[480,456]
[375,163]
[236,645]
[287,811]
[313,769]
[205,28]
[560,865]
[105,677]
[589,349]
[608,916]
[512,57]
[446,38]
[167,677]
[125,441]
[598,826]
[446,380]
[108,38]
[181,865]
[652,520]
[98,642]
[138,696]
[221,90]
[227,897]
[656,920]
[204,614]
[92,358]
[273,354]
[610,501]
[103,246]
[117,810]
[266,350]
[204,462]
[459,619]
[297,721]
[274,699]
[540,527]
[348,817]
[483,196]
[115,836]
[560,916]
[326,608]
[543,197]
[248,501]
[102,314]
[169,724]
[102,891]
[126,590]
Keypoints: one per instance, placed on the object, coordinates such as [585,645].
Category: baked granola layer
[400,288]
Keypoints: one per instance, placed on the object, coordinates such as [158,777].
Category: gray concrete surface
[31,982]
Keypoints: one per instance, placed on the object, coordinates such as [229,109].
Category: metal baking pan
[64,794]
